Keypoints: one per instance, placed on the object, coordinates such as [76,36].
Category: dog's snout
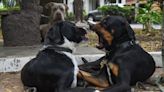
[58,14]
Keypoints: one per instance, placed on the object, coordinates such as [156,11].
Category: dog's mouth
[84,38]
[58,17]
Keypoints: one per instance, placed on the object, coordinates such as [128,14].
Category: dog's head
[58,11]
[64,34]
[113,30]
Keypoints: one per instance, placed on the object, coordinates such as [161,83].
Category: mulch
[10,82]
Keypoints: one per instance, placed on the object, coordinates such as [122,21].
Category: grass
[17,8]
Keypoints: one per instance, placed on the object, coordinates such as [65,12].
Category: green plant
[147,17]
[126,11]
[9,5]
[70,16]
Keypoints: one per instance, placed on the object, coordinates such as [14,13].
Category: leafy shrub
[147,17]
[9,5]
[126,11]
[70,16]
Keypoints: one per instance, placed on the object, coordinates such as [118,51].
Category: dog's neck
[67,46]
[57,48]
[122,45]
[126,44]
[53,22]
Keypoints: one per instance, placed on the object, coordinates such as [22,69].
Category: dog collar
[126,44]
[56,48]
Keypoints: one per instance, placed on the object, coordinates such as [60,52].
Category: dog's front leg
[91,66]
[122,82]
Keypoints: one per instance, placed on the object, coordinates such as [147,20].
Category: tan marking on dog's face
[104,33]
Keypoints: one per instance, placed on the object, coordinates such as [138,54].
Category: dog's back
[135,60]
[46,70]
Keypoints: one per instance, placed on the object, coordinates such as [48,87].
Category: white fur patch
[76,69]
[71,45]
[68,44]
[96,91]
[92,22]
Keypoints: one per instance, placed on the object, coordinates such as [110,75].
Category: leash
[157,82]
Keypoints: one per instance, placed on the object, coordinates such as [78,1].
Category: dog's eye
[62,9]
[54,9]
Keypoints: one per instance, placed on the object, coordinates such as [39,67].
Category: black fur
[133,62]
[51,70]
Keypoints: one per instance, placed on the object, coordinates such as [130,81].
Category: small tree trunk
[149,28]
[136,7]
[163,37]
[78,10]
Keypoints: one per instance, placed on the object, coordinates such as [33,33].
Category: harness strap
[126,44]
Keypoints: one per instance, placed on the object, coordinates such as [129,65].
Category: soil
[10,82]
[150,41]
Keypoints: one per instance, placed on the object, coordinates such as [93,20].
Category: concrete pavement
[140,26]
[12,59]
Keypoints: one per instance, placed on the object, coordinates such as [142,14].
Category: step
[12,59]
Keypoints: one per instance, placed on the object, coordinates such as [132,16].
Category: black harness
[126,44]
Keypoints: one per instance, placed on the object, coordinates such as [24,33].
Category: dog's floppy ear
[49,5]
[54,36]
[81,31]
[130,31]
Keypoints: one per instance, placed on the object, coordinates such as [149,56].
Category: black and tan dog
[127,63]
[54,69]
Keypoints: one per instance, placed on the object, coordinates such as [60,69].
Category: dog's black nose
[58,14]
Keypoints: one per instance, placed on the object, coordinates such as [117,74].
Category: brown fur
[108,37]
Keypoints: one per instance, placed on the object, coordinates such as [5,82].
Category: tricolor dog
[127,63]
[55,69]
